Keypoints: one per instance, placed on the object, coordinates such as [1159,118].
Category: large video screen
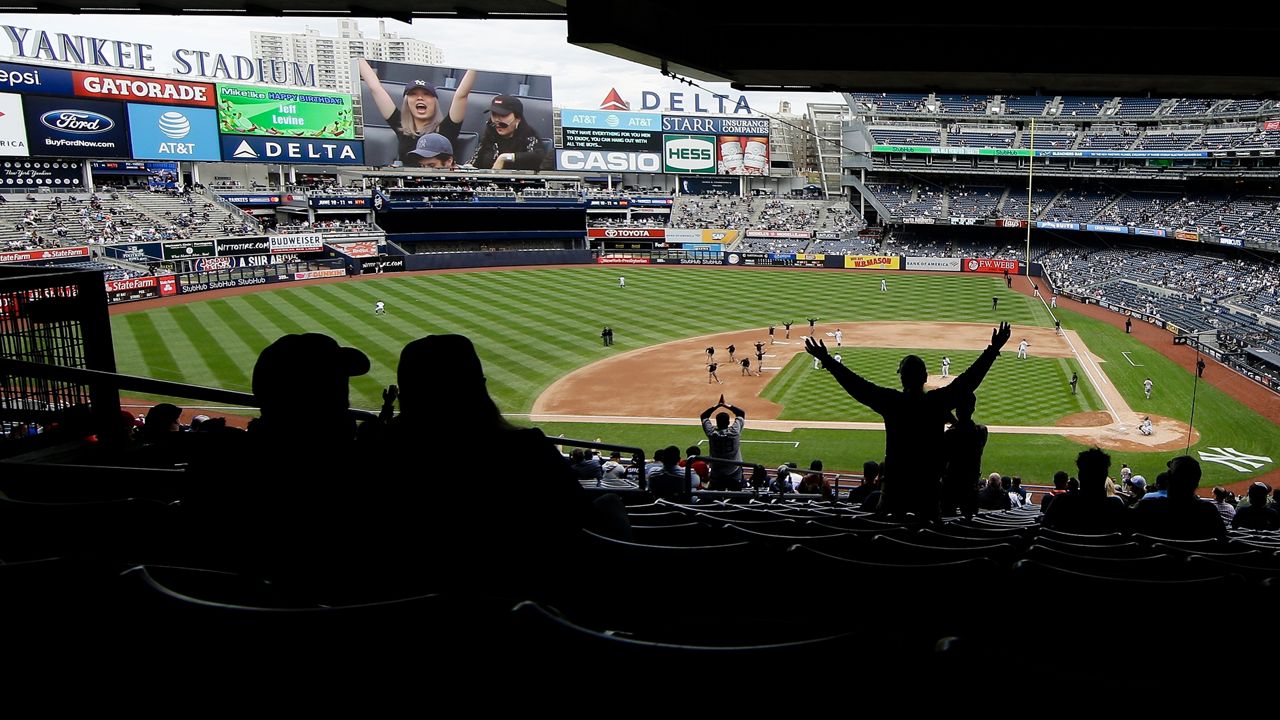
[604,140]
[279,112]
[440,117]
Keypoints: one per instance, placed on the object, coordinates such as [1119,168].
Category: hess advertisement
[245,110]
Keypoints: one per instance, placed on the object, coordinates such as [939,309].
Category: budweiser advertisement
[617,233]
[991,265]
[311,242]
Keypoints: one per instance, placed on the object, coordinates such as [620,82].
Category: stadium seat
[1119,550]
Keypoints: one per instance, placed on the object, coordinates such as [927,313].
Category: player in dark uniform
[711,354]
[812,321]
[787,325]
[731,349]
[770,334]
[746,366]
[759,347]
[759,361]
[1199,367]
[711,373]
[994,301]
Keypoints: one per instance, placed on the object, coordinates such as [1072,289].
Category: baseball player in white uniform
[946,366]
[884,285]
[817,364]
[1146,385]
[839,336]
[622,281]
[1022,349]
[1053,301]
[379,308]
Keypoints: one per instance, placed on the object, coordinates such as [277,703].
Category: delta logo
[614,101]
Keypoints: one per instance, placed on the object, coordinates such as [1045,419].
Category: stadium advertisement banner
[315,274]
[241,261]
[1011,222]
[213,264]
[742,155]
[692,124]
[720,235]
[160,132]
[1233,242]
[168,285]
[28,79]
[935,264]
[383,264]
[684,235]
[260,200]
[76,127]
[588,160]
[137,283]
[608,202]
[965,221]
[689,154]
[703,247]
[291,150]
[816,257]
[826,236]
[195,287]
[1054,225]
[136,252]
[872,262]
[140,89]
[918,220]
[340,202]
[53,254]
[300,243]
[991,265]
[608,119]
[361,249]
[611,139]
[1150,232]
[1271,125]
[1132,154]
[621,233]
[703,185]
[13,126]
[1187,235]
[653,202]
[372,78]
[615,260]
[243,246]
[790,257]
[35,174]
[1119,229]
[188,249]
[246,110]
[796,234]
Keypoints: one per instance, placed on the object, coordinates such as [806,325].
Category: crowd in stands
[700,211]
[326,226]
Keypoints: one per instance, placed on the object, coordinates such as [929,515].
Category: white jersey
[839,336]
[622,281]
[379,307]
[1146,384]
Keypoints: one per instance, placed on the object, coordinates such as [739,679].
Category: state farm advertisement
[616,233]
[168,285]
[54,254]
[871,262]
[138,89]
[138,283]
[991,265]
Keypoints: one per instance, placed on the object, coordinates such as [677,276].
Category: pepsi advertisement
[28,79]
[75,127]
[163,132]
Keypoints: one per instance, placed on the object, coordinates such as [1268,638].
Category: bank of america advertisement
[276,112]
[13,127]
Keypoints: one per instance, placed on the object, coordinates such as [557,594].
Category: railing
[234,211]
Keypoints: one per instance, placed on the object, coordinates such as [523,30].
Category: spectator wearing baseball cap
[301,383]
[508,142]
[418,113]
[433,150]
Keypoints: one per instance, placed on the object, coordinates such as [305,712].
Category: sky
[580,78]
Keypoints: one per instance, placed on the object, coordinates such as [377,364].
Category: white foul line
[1085,364]
[1125,353]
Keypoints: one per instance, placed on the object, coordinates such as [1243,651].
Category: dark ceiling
[754,46]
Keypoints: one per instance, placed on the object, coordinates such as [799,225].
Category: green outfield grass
[533,326]
[1034,391]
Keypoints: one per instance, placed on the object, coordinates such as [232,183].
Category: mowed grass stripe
[369,386]
[153,350]
[228,371]
[234,314]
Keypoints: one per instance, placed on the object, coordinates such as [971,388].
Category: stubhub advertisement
[75,127]
[166,132]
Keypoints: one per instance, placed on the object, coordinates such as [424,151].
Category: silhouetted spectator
[914,421]
[669,483]
[162,419]
[1182,514]
[964,442]
[724,440]
[814,482]
[1089,510]
[1059,488]
[301,383]
[1221,501]
[870,482]
[994,496]
[1160,490]
[1257,515]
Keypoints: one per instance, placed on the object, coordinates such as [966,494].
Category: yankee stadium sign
[35,44]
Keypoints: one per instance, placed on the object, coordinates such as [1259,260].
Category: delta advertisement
[274,112]
[934,264]
[400,99]
[991,265]
[872,262]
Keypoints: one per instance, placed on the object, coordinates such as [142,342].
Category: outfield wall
[449,261]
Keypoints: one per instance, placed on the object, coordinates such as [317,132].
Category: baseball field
[538,333]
